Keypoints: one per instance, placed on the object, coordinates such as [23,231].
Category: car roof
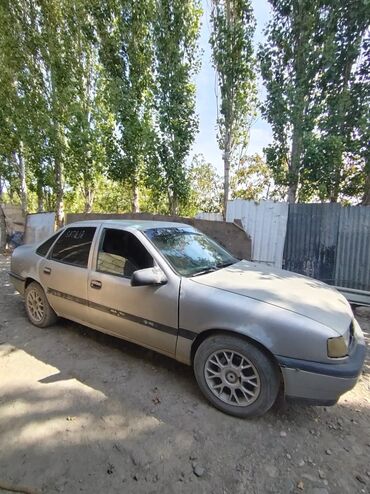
[135,224]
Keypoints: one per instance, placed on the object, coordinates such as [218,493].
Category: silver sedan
[249,331]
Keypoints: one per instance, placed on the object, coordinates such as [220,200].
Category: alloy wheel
[35,305]
[232,378]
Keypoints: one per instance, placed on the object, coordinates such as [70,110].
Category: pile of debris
[12,225]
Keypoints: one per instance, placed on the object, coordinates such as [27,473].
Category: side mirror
[148,276]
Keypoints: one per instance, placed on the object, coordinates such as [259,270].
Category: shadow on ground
[81,411]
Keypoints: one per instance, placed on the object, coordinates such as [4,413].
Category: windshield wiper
[225,264]
[205,271]
[216,267]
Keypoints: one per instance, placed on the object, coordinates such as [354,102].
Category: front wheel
[235,376]
[38,309]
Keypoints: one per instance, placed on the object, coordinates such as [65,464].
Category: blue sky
[206,141]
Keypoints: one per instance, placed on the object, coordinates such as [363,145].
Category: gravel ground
[84,412]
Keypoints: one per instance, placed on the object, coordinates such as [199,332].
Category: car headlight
[337,347]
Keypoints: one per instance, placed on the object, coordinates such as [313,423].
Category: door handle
[47,270]
[96,284]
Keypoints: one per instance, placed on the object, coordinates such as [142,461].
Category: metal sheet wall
[39,226]
[266,223]
[311,240]
[353,251]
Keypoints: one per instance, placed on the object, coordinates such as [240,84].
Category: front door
[147,315]
[64,273]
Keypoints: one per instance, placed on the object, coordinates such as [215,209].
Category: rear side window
[73,247]
[45,247]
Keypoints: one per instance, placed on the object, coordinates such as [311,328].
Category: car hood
[283,289]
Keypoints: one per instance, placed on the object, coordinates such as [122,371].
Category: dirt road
[84,412]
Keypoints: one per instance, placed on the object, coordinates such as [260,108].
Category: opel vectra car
[247,330]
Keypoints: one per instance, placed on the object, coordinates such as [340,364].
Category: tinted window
[121,253]
[45,247]
[73,247]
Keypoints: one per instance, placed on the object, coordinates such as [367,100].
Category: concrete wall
[230,235]
[209,216]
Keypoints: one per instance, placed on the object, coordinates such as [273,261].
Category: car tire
[235,376]
[38,309]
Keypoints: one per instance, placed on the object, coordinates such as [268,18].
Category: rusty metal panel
[265,222]
[311,240]
[39,226]
[353,252]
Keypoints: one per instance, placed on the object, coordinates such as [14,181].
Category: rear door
[64,273]
[147,315]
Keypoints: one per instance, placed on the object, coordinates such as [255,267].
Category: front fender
[280,331]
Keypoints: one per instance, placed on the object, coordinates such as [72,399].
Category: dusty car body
[247,330]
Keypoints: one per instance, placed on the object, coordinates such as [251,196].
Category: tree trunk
[135,208]
[40,196]
[173,204]
[59,205]
[89,194]
[299,111]
[2,230]
[366,196]
[295,160]
[226,158]
[19,161]
[336,186]
[23,185]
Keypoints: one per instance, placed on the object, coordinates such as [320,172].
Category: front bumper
[322,384]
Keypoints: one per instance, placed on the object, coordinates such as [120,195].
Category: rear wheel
[38,309]
[235,376]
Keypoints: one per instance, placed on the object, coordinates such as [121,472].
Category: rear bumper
[322,384]
[18,282]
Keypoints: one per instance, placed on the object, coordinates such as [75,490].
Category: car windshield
[188,251]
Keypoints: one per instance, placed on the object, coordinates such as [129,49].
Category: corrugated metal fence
[325,241]
[352,267]
[311,240]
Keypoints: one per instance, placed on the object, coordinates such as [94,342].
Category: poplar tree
[124,38]
[176,33]
[316,96]
[233,27]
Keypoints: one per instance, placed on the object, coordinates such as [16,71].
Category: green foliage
[251,179]
[313,75]
[176,31]
[205,188]
[125,42]
[233,27]
[289,64]
[90,89]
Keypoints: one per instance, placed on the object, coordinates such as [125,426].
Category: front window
[188,251]
[121,253]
